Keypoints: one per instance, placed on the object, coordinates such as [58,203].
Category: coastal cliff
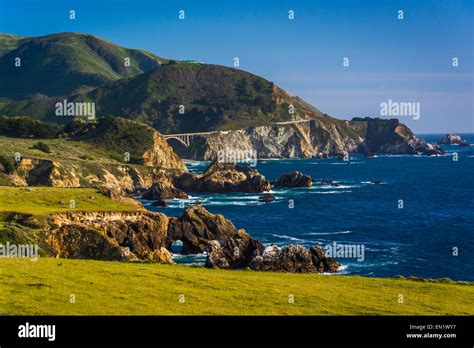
[313,138]
[118,156]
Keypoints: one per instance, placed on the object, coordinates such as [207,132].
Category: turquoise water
[437,213]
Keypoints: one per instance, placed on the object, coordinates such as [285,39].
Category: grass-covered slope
[46,200]
[45,286]
[106,141]
[60,64]
[118,135]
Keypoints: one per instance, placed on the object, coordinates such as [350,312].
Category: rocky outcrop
[163,190]
[110,236]
[114,180]
[391,136]
[142,235]
[293,179]
[223,177]
[197,227]
[453,139]
[161,155]
[266,198]
[412,146]
[200,231]
[43,172]
[294,259]
[450,139]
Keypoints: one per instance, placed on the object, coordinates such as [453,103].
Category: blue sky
[407,60]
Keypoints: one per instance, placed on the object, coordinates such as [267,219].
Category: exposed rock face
[202,231]
[141,235]
[294,179]
[450,139]
[161,155]
[223,177]
[322,136]
[413,146]
[163,189]
[114,180]
[294,259]
[396,138]
[301,140]
[110,235]
[197,228]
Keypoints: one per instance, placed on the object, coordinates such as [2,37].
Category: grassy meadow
[45,200]
[45,286]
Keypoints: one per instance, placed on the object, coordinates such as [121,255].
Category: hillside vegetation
[65,63]
[107,140]
[45,200]
[213,97]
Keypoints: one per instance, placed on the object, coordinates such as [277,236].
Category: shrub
[7,164]
[42,147]
[27,127]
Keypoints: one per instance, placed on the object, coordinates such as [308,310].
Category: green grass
[80,56]
[45,200]
[61,150]
[43,287]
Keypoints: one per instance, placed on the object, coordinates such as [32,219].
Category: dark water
[418,239]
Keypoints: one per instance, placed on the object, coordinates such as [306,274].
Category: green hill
[214,97]
[64,63]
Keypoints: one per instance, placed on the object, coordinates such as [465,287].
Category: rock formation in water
[453,139]
[293,179]
[295,259]
[222,178]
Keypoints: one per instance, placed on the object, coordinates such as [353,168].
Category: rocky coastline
[158,174]
[315,138]
[148,236]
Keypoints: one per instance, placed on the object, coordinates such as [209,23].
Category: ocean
[417,222]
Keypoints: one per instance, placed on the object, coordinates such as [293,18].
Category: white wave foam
[326,187]
[346,163]
[328,233]
[291,238]
[331,192]
[236,198]
[235,203]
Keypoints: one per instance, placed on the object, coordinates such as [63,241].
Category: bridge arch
[183,139]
